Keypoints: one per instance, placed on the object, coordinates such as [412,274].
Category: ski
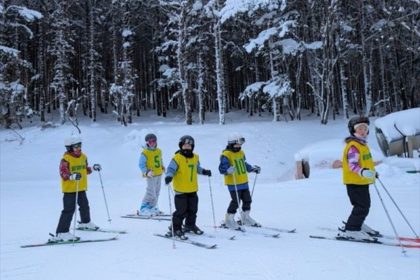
[192,242]
[161,214]
[232,237]
[142,217]
[381,236]
[281,230]
[405,245]
[103,230]
[257,232]
[49,243]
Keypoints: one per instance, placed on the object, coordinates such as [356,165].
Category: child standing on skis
[234,167]
[358,173]
[74,169]
[151,165]
[183,170]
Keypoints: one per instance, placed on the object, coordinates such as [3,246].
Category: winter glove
[75,176]
[97,167]
[367,173]
[149,174]
[230,170]
[206,172]
[168,179]
[256,169]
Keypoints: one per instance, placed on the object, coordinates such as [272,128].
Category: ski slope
[31,201]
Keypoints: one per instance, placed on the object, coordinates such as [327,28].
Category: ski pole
[253,186]
[399,210]
[212,205]
[103,192]
[75,210]
[390,221]
[172,218]
[237,194]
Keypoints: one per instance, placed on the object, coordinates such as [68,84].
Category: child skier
[358,173]
[151,165]
[234,167]
[73,171]
[183,170]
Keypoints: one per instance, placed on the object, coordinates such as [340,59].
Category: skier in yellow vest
[358,173]
[234,167]
[73,171]
[151,165]
[183,170]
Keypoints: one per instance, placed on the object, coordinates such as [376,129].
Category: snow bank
[407,121]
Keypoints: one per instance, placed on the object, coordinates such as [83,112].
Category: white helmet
[236,138]
[72,140]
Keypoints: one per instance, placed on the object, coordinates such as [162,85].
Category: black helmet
[149,137]
[356,120]
[186,139]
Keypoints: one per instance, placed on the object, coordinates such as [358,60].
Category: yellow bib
[238,161]
[185,178]
[154,161]
[76,165]
[365,161]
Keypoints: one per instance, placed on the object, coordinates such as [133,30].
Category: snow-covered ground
[31,203]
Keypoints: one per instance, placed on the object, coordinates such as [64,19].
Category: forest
[286,58]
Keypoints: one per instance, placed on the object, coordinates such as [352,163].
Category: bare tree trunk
[92,91]
[220,80]
[200,89]
[276,116]
[365,62]
[186,96]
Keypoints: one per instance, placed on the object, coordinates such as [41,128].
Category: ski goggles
[77,145]
[241,140]
[188,141]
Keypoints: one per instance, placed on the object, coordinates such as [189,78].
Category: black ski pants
[69,206]
[245,196]
[360,199]
[186,207]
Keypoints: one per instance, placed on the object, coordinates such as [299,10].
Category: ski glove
[206,172]
[97,167]
[256,169]
[367,173]
[230,170]
[75,176]
[168,179]
[149,174]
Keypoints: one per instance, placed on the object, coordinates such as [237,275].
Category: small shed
[399,133]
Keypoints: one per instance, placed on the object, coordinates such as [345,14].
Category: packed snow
[31,202]
[405,122]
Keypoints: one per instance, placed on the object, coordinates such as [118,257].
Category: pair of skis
[53,243]
[265,231]
[387,240]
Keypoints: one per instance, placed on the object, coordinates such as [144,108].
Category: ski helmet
[71,141]
[355,121]
[236,138]
[186,139]
[149,137]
